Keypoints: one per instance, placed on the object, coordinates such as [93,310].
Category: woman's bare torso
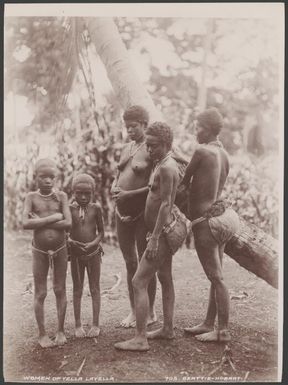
[134,175]
[154,198]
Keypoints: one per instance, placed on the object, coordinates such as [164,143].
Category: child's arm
[37,222]
[66,222]
[100,230]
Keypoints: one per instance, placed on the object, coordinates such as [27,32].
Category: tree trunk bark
[114,55]
[202,91]
[256,251]
[251,247]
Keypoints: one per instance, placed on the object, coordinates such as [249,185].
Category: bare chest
[46,206]
[86,219]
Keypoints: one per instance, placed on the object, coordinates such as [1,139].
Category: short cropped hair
[211,119]
[44,162]
[136,113]
[83,178]
[162,131]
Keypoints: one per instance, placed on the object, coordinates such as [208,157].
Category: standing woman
[130,189]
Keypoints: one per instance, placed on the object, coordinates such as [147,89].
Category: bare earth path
[253,324]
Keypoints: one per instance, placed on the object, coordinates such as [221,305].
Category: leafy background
[59,103]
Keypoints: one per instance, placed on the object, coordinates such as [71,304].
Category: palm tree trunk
[114,55]
[202,91]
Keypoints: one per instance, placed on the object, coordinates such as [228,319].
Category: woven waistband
[49,252]
[198,220]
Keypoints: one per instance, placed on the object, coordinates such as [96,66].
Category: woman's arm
[121,195]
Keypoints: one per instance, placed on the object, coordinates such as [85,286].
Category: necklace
[216,143]
[131,155]
[156,167]
[46,196]
[52,195]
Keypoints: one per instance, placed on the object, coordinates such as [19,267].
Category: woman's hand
[151,250]
[121,195]
[115,190]
[181,188]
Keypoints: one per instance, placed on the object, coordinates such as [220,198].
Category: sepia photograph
[143,192]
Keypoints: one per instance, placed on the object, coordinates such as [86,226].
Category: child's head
[45,173]
[83,187]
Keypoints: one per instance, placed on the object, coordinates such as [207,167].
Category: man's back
[208,179]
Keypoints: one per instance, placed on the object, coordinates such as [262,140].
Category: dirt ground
[253,322]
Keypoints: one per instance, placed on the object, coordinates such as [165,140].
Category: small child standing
[86,252]
[46,211]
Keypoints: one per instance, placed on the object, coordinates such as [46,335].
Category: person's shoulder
[206,151]
[96,206]
[73,205]
[169,166]
[126,146]
[61,194]
[31,194]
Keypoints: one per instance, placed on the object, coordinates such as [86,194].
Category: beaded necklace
[156,167]
[215,143]
[132,154]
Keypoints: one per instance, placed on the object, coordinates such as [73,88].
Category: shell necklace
[132,153]
[216,143]
[156,167]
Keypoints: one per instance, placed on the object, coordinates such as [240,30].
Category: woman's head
[136,119]
[159,138]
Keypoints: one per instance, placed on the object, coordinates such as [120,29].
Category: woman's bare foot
[152,318]
[93,332]
[129,321]
[46,342]
[161,334]
[199,329]
[215,336]
[60,338]
[135,344]
[80,332]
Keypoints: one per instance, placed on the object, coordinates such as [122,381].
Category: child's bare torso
[84,230]
[46,238]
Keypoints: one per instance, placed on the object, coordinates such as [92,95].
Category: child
[47,213]
[86,250]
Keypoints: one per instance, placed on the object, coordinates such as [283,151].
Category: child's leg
[93,270]
[40,272]
[77,272]
[59,287]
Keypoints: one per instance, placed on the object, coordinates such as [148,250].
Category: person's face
[83,193]
[202,134]
[135,129]
[45,177]
[155,148]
